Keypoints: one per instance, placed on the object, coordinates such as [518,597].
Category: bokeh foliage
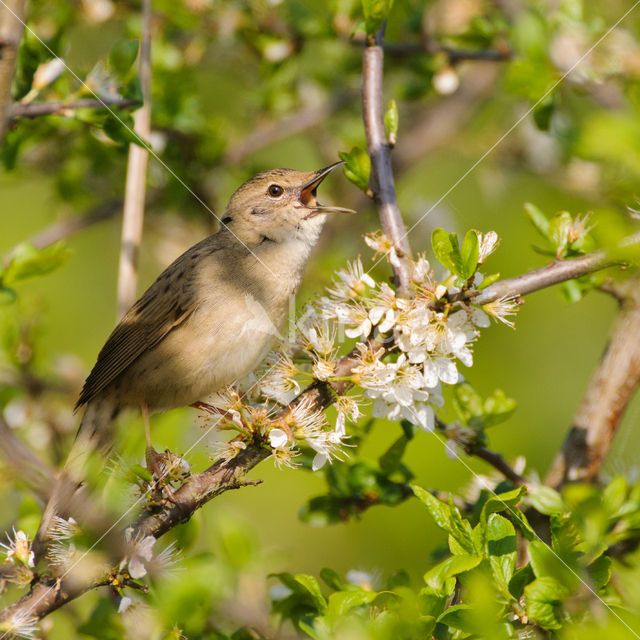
[230,81]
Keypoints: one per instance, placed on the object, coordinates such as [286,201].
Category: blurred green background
[215,82]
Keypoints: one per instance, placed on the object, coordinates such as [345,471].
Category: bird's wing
[166,304]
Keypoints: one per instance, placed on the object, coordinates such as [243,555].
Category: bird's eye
[275,190]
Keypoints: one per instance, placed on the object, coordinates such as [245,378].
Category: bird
[211,316]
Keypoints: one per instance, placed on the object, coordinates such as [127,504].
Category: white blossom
[125,603]
[279,382]
[488,244]
[21,625]
[502,308]
[140,554]
[18,549]
[351,283]
[278,438]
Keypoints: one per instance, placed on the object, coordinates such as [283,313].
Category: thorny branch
[606,397]
[12,13]
[381,181]
[60,107]
[46,595]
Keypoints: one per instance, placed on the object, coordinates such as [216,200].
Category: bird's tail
[93,441]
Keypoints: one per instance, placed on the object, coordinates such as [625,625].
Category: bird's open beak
[308,194]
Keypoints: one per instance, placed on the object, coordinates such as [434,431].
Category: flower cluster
[406,348]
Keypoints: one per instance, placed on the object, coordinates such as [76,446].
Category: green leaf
[501,502]
[502,550]
[7,296]
[307,627]
[521,520]
[488,280]
[559,227]
[448,518]
[343,601]
[122,56]
[375,13]
[539,220]
[470,252]
[313,588]
[468,401]
[521,578]
[442,248]
[545,500]
[437,577]
[543,112]
[615,493]
[460,616]
[103,623]
[543,598]
[28,262]
[357,167]
[546,563]
[572,291]
[331,578]
[438,510]
[391,459]
[600,571]
[498,408]
[120,130]
[391,122]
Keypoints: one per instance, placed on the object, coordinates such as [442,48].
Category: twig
[12,14]
[133,214]
[431,47]
[499,463]
[381,181]
[557,272]
[606,398]
[60,107]
[69,226]
[491,457]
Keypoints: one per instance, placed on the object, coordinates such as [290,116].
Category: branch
[601,409]
[381,181]
[499,463]
[133,214]
[556,272]
[12,13]
[431,47]
[69,226]
[60,107]
[491,457]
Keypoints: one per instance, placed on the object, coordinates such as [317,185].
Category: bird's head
[278,206]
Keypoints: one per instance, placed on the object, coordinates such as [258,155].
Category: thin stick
[381,181]
[12,13]
[65,228]
[60,107]
[557,272]
[601,409]
[133,214]
[499,463]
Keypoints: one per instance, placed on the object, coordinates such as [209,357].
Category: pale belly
[198,358]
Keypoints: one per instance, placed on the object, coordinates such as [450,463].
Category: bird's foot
[159,466]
